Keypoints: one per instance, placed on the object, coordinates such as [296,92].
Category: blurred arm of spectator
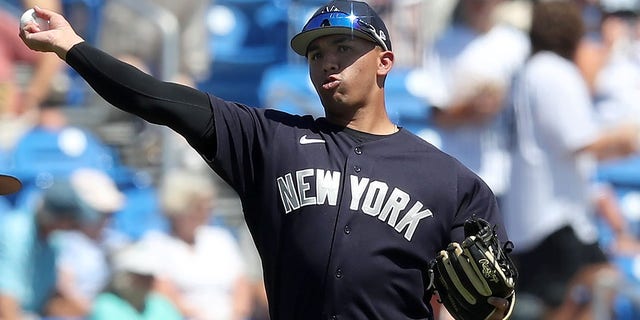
[481,104]
[242,298]
[607,206]
[46,68]
[165,287]
[616,142]
[9,307]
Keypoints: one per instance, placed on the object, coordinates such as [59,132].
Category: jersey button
[339,273]
[333,318]
[347,229]
[357,169]
[357,150]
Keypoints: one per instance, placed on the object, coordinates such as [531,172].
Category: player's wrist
[63,48]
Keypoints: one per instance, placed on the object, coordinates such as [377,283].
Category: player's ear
[385,62]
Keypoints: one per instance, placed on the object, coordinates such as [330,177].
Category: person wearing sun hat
[9,184]
[28,252]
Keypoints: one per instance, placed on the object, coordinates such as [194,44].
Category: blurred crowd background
[155,227]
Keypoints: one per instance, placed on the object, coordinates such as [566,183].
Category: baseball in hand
[30,15]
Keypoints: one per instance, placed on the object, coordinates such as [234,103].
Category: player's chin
[335,102]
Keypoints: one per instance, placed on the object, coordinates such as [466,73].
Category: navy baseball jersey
[345,222]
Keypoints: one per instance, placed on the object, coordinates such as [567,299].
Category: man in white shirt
[557,141]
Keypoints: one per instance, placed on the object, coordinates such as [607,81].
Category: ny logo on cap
[330,9]
[383,36]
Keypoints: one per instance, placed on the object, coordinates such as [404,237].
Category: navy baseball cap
[9,184]
[355,18]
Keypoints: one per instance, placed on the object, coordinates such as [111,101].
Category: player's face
[344,71]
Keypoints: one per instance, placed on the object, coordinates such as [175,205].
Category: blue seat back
[287,87]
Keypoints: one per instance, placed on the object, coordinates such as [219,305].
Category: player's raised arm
[184,109]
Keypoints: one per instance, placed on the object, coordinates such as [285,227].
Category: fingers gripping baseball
[59,37]
[467,275]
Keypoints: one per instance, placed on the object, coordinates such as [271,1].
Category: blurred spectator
[28,254]
[129,293]
[206,277]
[610,59]
[83,269]
[21,93]
[557,141]
[145,43]
[468,70]
[404,21]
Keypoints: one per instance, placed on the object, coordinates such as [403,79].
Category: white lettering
[357,190]
[304,186]
[327,186]
[411,219]
[397,202]
[288,193]
[376,193]
[368,197]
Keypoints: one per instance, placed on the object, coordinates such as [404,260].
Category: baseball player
[346,210]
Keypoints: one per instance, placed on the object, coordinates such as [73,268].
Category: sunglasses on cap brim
[341,19]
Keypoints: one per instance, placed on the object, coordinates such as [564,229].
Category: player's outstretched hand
[58,38]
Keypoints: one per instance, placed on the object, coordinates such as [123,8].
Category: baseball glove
[466,275]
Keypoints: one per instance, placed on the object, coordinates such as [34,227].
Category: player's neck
[377,126]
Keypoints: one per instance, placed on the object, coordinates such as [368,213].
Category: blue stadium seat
[86,18]
[140,214]
[13,7]
[42,154]
[623,176]
[246,36]
[5,205]
[287,87]
[624,172]
[403,106]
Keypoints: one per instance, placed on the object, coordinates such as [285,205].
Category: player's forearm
[184,109]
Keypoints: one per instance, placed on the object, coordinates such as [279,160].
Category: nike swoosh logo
[305,140]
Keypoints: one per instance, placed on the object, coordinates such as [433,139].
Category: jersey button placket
[358,151]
